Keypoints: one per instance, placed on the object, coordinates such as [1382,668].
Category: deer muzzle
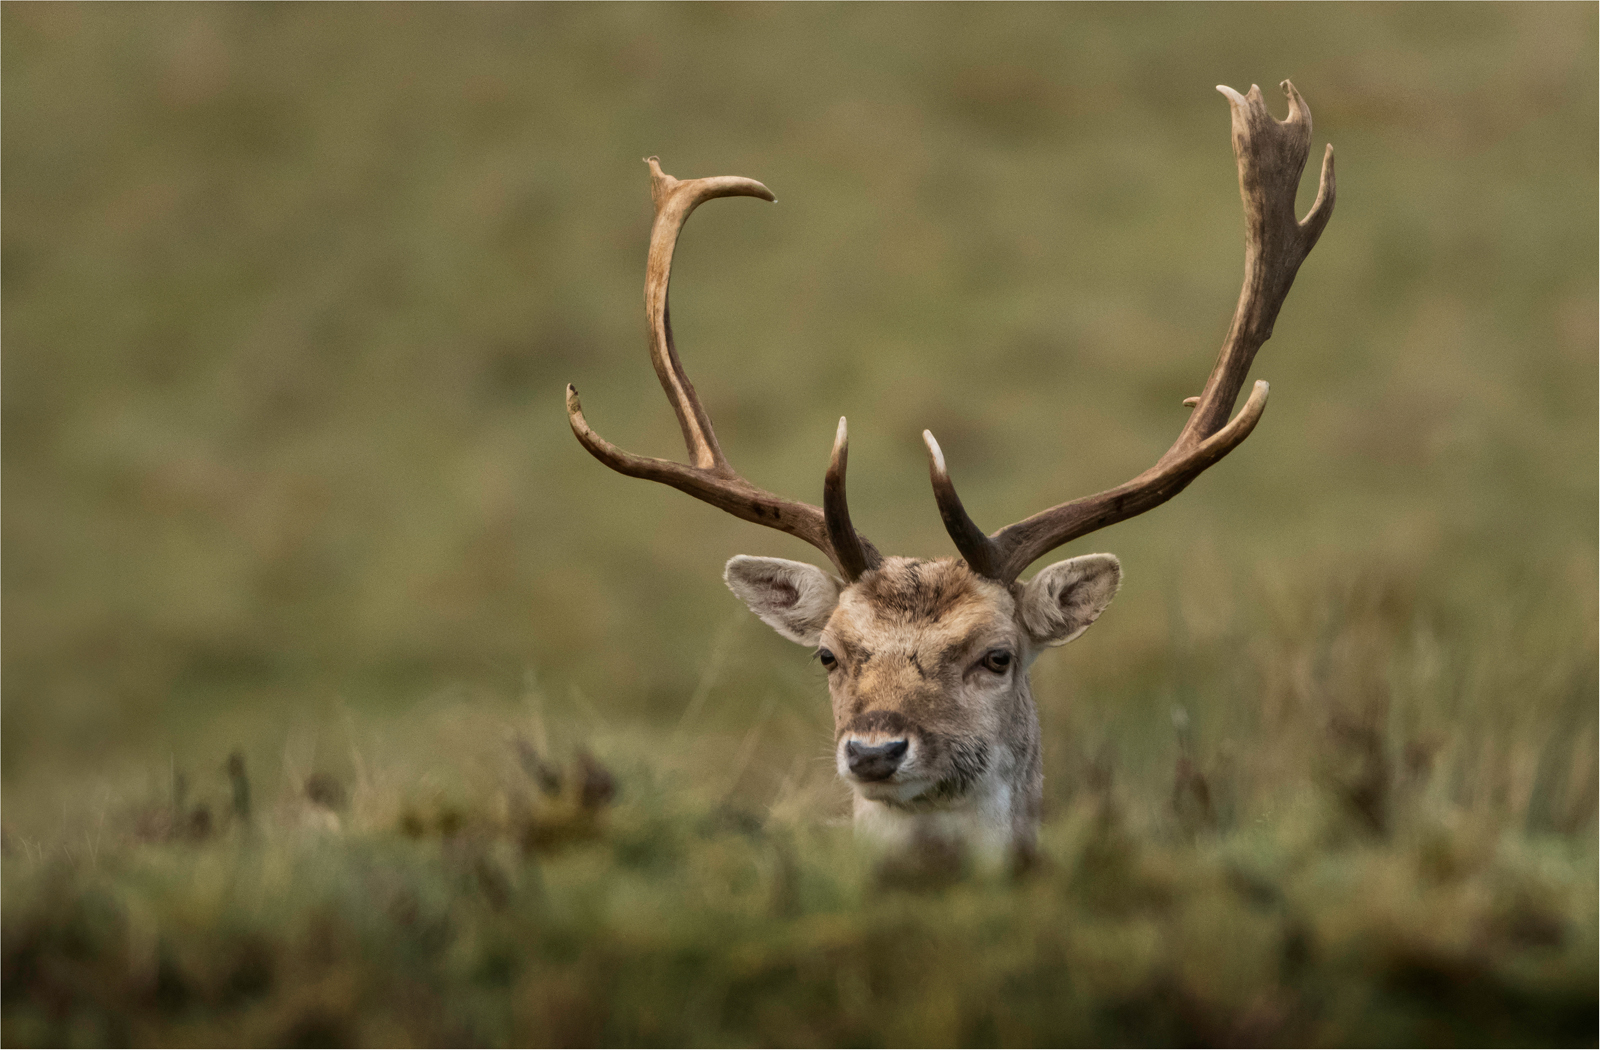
[875,762]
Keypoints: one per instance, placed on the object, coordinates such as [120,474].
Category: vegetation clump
[615,903]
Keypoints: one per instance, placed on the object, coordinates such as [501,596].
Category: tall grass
[476,889]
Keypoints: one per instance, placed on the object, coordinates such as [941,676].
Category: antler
[708,475]
[1271,154]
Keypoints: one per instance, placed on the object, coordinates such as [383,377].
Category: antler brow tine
[708,475]
[854,555]
[1271,156]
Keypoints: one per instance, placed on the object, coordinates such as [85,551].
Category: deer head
[928,661]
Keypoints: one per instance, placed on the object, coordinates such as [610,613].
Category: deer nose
[875,761]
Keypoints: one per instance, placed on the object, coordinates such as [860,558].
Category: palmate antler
[708,476]
[1272,155]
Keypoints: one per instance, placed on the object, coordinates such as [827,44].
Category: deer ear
[794,598]
[1065,598]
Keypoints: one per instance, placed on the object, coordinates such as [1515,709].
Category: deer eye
[997,660]
[828,659]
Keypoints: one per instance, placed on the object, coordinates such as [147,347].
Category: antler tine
[853,554]
[674,200]
[1271,156]
[975,547]
[708,476]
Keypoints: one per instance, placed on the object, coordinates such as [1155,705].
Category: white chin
[891,790]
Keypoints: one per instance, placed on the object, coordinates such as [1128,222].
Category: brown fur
[909,638]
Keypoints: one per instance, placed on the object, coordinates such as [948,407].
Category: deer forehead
[907,630]
[910,607]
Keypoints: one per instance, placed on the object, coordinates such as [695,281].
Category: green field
[309,593]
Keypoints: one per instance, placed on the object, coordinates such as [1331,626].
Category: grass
[505,915]
[290,295]
[527,908]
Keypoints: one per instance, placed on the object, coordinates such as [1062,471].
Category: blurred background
[291,293]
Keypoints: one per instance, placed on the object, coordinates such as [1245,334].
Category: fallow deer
[927,660]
